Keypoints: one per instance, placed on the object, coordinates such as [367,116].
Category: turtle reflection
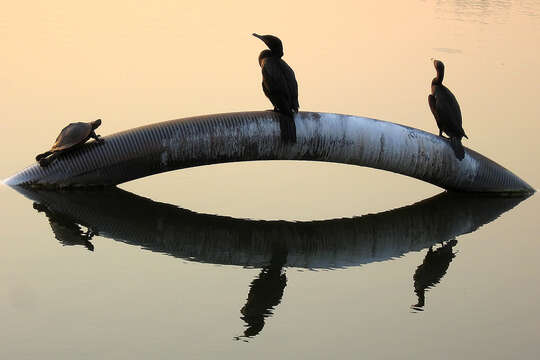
[65,229]
[272,246]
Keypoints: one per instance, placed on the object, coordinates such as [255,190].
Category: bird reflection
[431,271]
[66,230]
[272,246]
[265,293]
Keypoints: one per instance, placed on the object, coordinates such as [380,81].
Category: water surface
[269,259]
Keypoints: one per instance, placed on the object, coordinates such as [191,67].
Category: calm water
[199,263]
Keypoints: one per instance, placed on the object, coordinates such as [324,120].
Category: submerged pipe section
[248,136]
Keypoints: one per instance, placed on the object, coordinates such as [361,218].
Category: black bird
[445,109]
[279,84]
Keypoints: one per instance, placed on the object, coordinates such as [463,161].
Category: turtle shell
[72,135]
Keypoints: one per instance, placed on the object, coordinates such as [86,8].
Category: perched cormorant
[445,109]
[279,84]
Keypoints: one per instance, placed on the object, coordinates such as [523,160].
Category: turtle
[72,136]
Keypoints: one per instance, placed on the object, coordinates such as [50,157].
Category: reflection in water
[265,292]
[66,230]
[431,271]
[448,50]
[480,11]
[274,245]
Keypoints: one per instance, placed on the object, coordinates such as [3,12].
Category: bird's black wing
[452,102]
[291,83]
[433,106]
[275,85]
[448,112]
[268,94]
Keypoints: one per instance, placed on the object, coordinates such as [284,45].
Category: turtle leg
[41,156]
[87,236]
[46,161]
[97,137]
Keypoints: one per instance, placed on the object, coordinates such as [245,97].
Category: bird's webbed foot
[442,136]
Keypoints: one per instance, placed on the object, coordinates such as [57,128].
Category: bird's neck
[277,52]
[267,54]
[434,84]
[263,55]
[439,78]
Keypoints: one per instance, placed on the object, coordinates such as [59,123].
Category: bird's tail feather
[287,128]
[457,147]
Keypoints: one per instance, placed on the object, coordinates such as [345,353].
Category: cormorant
[445,109]
[279,84]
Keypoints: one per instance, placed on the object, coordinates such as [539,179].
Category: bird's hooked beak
[260,37]
[273,43]
[267,39]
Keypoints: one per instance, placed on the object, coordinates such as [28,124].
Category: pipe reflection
[273,245]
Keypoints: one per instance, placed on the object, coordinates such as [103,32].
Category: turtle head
[95,124]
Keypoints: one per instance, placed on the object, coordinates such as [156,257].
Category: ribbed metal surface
[249,136]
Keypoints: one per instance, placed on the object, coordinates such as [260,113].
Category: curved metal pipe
[165,228]
[247,136]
